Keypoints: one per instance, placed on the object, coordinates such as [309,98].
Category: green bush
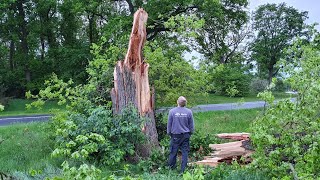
[199,144]
[101,137]
[3,100]
[172,75]
[287,136]
[281,86]
[235,172]
[258,85]
[230,80]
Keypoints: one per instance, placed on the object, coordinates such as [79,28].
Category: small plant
[199,144]
[196,173]
[235,172]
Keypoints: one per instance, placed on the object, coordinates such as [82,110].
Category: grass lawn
[217,99]
[26,147]
[18,107]
[215,122]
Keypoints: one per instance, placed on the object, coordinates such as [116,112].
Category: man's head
[182,101]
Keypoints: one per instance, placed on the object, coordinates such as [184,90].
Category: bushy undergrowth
[101,137]
[235,172]
[287,136]
[230,81]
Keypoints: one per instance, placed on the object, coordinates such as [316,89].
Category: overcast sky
[312,6]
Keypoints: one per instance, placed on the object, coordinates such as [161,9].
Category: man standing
[180,127]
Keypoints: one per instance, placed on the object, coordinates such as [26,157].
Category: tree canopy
[276,26]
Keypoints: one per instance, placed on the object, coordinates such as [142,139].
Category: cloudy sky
[312,6]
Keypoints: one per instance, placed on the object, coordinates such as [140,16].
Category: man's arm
[169,125]
[191,123]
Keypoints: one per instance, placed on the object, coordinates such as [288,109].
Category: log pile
[227,152]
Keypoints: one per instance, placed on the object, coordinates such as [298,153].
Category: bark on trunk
[11,55]
[270,75]
[23,38]
[131,83]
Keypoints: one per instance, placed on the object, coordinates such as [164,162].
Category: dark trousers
[179,141]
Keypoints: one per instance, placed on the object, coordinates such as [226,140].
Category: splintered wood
[131,82]
[228,152]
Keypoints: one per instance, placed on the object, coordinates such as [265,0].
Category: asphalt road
[23,119]
[200,108]
[221,107]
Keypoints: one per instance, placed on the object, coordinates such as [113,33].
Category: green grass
[218,99]
[215,122]
[18,107]
[25,147]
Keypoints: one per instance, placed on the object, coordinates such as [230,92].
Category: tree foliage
[277,26]
[224,29]
[171,75]
[287,136]
[230,80]
[40,37]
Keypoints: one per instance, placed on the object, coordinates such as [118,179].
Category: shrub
[100,137]
[230,80]
[3,100]
[235,172]
[199,144]
[286,137]
[281,85]
[258,85]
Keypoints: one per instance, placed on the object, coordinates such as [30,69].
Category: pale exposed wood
[228,152]
[234,136]
[226,145]
[131,82]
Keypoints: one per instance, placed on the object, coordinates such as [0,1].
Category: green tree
[276,26]
[171,75]
[287,136]
[224,29]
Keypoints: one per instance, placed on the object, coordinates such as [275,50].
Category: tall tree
[23,36]
[224,29]
[276,26]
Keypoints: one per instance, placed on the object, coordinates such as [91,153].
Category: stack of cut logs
[238,150]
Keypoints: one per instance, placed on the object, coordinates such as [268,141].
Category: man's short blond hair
[182,101]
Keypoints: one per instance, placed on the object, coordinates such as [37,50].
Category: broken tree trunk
[131,83]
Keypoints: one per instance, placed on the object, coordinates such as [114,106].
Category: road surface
[200,108]
[23,119]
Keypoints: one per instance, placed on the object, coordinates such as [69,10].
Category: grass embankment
[215,122]
[217,99]
[17,107]
[25,147]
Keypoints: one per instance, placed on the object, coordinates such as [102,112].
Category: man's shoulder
[187,109]
[175,109]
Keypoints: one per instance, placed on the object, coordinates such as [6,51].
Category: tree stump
[131,83]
